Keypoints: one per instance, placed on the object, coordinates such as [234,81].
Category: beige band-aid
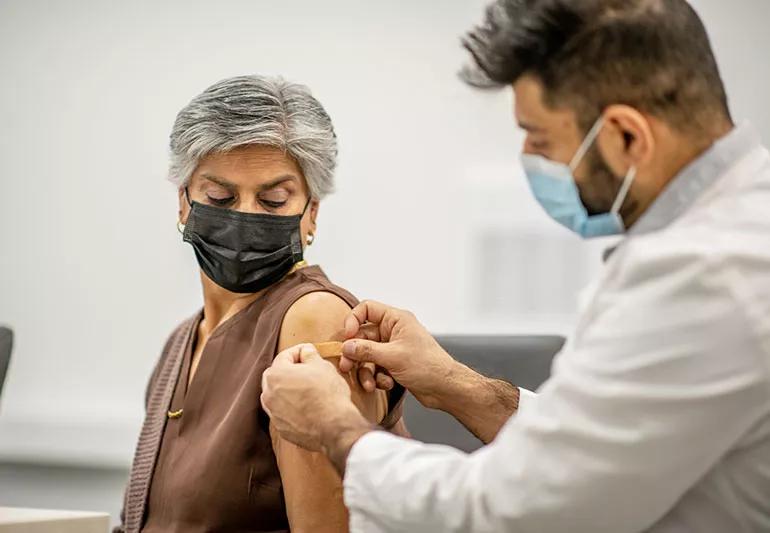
[329,350]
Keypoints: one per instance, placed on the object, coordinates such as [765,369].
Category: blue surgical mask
[553,184]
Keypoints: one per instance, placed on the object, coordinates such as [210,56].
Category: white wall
[432,212]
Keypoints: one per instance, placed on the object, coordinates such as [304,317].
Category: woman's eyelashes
[220,202]
[274,198]
[230,200]
[273,204]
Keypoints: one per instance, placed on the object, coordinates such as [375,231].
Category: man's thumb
[308,353]
[366,351]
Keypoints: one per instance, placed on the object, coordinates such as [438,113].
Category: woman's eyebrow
[222,182]
[277,181]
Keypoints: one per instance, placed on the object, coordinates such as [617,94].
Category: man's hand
[395,340]
[309,404]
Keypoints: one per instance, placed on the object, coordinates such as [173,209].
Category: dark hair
[654,55]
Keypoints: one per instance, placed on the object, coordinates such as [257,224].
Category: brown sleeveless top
[213,467]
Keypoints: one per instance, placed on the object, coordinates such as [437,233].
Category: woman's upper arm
[312,488]
[319,317]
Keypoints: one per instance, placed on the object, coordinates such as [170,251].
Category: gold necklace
[297,266]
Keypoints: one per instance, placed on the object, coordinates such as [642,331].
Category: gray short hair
[261,110]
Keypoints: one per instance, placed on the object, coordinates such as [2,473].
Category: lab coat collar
[683,191]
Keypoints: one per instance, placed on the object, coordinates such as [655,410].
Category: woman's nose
[249,206]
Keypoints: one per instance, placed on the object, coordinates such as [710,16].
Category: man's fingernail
[349,348]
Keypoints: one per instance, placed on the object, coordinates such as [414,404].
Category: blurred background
[432,211]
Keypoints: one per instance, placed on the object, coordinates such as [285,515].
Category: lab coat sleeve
[525,400]
[663,376]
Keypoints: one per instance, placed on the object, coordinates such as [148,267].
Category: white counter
[15,520]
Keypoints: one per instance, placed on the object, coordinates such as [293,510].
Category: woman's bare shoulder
[320,317]
[315,317]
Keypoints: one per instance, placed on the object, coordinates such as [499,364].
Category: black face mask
[243,252]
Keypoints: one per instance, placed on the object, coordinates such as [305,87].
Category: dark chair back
[522,360]
[6,343]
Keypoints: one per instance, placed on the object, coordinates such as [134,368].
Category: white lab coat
[657,414]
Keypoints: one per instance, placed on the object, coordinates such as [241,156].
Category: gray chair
[522,360]
[6,343]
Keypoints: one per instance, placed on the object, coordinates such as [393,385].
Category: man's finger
[290,356]
[346,365]
[366,378]
[265,407]
[265,391]
[366,311]
[369,332]
[384,381]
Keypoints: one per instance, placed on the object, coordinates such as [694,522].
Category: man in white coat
[657,413]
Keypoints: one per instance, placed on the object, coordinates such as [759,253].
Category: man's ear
[626,139]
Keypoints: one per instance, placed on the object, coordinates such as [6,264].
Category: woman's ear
[308,223]
[314,206]
[626,139]
[184,206]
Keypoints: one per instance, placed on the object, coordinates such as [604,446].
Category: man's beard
[599,191]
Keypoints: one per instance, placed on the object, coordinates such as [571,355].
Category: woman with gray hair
[252,157]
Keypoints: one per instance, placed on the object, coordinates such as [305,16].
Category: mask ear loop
[179,226]
[309,198]
[620,200]
[593,133]
[311,237]
[187,196]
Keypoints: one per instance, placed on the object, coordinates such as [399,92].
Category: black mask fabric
[243,252]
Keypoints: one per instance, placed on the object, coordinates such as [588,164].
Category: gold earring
[310,238]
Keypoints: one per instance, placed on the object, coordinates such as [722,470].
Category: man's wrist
[341,433]
[451,388]
[480,403]
[462,383]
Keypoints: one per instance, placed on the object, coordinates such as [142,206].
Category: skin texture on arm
[481,404]
[312,487]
